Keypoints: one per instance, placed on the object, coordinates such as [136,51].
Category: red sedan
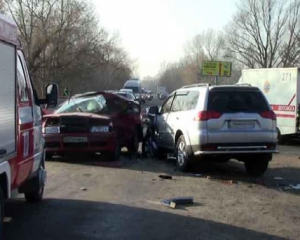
[94,122]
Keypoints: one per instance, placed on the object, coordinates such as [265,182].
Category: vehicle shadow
[94,159]
[232,172]
[62,219]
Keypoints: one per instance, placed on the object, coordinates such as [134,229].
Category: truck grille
[74,125]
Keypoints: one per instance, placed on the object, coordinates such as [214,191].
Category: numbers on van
[286,76]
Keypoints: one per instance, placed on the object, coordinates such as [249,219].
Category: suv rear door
[162,125]
[239,115]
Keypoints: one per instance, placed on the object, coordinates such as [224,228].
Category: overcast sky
[156,31]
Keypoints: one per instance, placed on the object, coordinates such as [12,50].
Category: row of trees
[261,34]
[64,43]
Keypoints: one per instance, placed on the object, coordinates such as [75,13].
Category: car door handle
[3,152]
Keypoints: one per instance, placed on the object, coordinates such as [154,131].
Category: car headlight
[99,129]
[49,130]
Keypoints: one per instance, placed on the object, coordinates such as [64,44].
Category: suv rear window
[231,101]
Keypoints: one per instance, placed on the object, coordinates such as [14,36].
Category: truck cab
[22,156]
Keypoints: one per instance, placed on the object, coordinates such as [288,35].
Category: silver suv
[218,123]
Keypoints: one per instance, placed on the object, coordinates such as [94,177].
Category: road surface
[90,199]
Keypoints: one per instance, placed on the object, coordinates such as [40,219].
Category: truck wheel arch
[5,179]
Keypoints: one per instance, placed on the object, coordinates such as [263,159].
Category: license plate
[75,139]
[241,124]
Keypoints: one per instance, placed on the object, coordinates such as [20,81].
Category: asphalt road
[91,199]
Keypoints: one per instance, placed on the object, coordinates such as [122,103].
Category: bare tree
[64,43]
[208,45]
[264,33]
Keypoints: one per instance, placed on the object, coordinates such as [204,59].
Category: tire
[36,195]
[182,154]
[1,212]
[49,156]
[133,147]
[160,153]
[280,139]
[257,168]
[113,156]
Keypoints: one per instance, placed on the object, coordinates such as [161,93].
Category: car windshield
[130,96]
[98,104]
[134,89]
[89,105]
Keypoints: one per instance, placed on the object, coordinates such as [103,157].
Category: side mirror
[51,95]
[153,110]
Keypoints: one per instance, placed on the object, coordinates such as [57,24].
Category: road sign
[216,69]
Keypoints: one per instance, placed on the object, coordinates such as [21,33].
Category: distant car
[163,95]
[126,90]
[96,122]
[218,123]
[128,95]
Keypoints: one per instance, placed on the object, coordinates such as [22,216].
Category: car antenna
[69,98]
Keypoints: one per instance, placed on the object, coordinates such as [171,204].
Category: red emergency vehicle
[22,155]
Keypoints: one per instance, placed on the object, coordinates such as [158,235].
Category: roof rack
[85,94]
[243,84]
[197,85]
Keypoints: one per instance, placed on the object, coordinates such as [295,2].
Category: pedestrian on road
[66,92]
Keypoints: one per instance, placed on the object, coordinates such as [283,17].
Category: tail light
[268,114]
[207,115]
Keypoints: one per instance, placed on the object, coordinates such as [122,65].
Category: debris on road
[165,176]
[171,156]
[173,202]
[290,187]
[278,178]
[230,182]
[83,188]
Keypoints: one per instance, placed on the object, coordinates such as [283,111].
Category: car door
[26,133]
[161,122]
[174,119]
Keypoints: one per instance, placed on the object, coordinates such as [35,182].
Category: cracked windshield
[162,119]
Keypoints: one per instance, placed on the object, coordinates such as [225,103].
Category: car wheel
[115,155]
[134,145]
[37,194]
[182,155]
[49,156]
[1,212]
[160,153]
[257,167]
[280,138]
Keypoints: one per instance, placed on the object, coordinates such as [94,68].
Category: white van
[282,89]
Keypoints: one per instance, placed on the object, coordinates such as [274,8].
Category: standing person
[66,92]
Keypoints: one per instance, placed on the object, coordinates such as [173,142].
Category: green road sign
[216,69]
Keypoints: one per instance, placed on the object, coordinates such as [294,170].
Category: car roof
[94,94]
[241,87]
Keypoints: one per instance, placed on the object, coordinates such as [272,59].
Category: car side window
[179,103]
[167,105]
[22,85]
[192,100]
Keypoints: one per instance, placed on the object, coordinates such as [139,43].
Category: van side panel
[280,88]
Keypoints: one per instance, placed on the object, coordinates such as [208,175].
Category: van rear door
[238,115]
